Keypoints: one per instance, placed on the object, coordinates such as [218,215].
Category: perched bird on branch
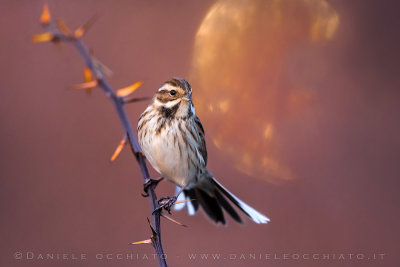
[172,139]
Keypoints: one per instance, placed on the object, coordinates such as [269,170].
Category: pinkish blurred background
[329,117]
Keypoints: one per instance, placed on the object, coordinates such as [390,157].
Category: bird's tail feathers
[212,196]
[256,216]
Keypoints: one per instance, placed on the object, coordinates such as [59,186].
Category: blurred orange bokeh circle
[241,89]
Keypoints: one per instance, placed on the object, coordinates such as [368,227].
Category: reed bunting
[172,139]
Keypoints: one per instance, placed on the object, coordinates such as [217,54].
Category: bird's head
[174,98]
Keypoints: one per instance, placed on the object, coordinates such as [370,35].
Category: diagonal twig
[58,32]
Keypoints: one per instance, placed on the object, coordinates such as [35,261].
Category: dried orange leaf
[42,37]
[128,90]
[45,17]
[63,27]
[79,32]
[147,241]
[118,150]
[85,85]
[87,74]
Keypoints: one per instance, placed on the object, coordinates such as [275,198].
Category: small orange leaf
[79,32]
[118,150]
[147,241]
[87,85]
[128,90]
[87,74]
[42,37]
[45,17]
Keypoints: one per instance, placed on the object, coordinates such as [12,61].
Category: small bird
[173,141]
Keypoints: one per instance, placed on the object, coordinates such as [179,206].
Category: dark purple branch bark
[123,117]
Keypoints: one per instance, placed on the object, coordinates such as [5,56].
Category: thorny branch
[59,32]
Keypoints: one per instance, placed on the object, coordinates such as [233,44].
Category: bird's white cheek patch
[169,104]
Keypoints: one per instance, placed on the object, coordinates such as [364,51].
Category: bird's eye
[172,92]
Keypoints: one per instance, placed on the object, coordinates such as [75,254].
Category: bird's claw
[165,203]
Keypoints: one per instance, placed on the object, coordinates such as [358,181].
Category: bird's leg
[167,202]
[150,182]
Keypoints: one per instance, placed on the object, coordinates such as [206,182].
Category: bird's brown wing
[202,145]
